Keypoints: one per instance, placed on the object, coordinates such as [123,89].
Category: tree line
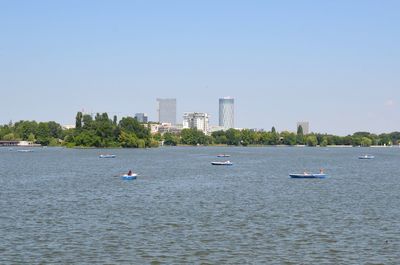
[251,137]
[102,131]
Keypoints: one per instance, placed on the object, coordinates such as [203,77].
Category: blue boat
[308,176]
[129,177]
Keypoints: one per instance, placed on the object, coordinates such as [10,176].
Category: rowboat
[129,177]
[107,156]
[366,157]
[224,163]
[308,176]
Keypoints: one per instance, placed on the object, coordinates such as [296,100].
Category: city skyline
[334,64]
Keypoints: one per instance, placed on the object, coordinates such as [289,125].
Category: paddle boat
[366,157]
[224,163]
[129,177]
[223,155]
[308,176]
[107,156]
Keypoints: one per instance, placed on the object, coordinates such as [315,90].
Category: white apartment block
[196,120]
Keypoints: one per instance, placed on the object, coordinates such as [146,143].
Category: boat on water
[223,155]
[129,177]
[366,157]
[107,156]
[222,163]
[25,150]
[308,176]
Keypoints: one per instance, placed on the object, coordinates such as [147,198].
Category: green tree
[128,139]
[170,139]
[288,138]
[365,141]
[324,141]
[9,137]
[192,137]
[312,140]
[78,120]
[43,134]
[300,135]
[130,124]
[87,121]
[233,137]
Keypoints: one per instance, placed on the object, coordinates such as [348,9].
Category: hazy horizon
[333,64]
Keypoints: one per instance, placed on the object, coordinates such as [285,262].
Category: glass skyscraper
[226,113]
[166,109]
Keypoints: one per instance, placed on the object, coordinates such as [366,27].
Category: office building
[226,113]
[166,109]
[141,117]
[196,120]
[304,125]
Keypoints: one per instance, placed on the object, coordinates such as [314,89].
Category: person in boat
[305,172]
[130,173]
[321,171]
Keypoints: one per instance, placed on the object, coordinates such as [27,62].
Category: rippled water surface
[69,206]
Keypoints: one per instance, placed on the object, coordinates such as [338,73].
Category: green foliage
[324,141]
[128,139]
[365,141]
[311,140]
[78,121]
[105,132]
[193,137]
[288,138]
[170,139]
[233,137]
[9,137]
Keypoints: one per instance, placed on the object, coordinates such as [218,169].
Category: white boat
[223,155]
[366,157]
[224,163]
[107,156]
[25,151]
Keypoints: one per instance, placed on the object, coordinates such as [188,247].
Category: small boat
[107,156]
[308,176]
[366,157]
[223,155]
[224,163]
[25,151]
[129,177]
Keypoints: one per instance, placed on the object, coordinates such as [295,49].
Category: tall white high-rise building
[196,120]
[226,113]
[166,109]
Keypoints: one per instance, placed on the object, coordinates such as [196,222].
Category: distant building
[215,128]
[166,109]
[196,120]
[141,117]
[68,126]
[165,127]
[226,113]
[304,125]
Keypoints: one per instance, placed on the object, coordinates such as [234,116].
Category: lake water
[69,206]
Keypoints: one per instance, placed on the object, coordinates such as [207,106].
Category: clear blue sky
[335,64]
